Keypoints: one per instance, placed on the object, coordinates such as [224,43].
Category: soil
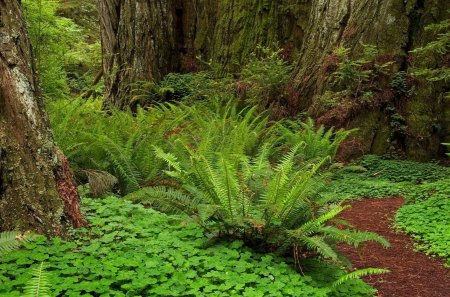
[413,274]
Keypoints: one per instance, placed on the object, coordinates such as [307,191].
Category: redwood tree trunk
[147,39]
[396,27]
[36,189]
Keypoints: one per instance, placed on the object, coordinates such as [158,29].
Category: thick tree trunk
[36,189]
[146,39]
[395,27]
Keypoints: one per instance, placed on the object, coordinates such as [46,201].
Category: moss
[373,130]
[424,126]
[243,25]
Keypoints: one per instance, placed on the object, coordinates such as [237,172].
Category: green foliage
[260,82]
[355,79]
[436,49]
[67,56]
[447,145]
[356,76]
[268,206]
[51,37]
[133,251]
[121,143]
[427,222]
[265,76]
[401,85]
[38,286]
[189,88]
[404,171]
[358,274]
[11,240]
[319,143]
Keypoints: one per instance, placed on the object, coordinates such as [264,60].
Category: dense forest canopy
[224,148]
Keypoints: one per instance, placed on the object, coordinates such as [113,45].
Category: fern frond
[358,274]
[313,226]
[169,158]
[11,240]
[165,199]
[318,244]
[352,236]
[39,285]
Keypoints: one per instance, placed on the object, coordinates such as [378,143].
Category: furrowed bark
[36,190]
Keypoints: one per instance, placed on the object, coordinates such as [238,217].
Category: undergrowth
[121,143]
[133,251]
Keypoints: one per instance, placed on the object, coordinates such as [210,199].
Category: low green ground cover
[134,251]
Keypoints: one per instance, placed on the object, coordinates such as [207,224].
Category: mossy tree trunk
[395,27]
[145,39]
[36,189]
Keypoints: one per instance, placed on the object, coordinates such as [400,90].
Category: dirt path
[412,274]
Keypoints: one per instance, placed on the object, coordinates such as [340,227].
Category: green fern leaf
[358,274]
[11,240]
[39,285]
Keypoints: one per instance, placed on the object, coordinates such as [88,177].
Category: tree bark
[143,40]
[396,27]
[36,189]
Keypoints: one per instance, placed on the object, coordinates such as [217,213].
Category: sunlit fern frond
[314,225]
[353,237]
[169,158]
[39,285]
[358,274]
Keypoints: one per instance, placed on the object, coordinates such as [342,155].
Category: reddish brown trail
[413,274]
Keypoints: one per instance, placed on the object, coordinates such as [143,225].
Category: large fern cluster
[116,142]
[273,207]
[120,143]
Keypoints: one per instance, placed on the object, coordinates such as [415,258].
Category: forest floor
[413,274]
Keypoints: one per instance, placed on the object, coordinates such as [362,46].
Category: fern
[11,240]
[253,199]
[165,199]
[39,285]
[318,143]
[358,274]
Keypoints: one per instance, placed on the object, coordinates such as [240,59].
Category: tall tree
[417,124]
[146,39]
[36,188]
